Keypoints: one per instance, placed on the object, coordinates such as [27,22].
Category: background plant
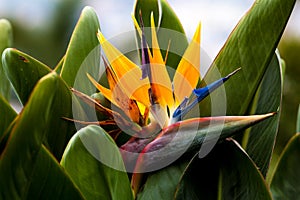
[32,142]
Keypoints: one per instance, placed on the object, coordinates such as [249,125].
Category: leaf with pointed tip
[259,140]
[286,179]
[83,53]
[23,71]
[162,184]
[250,46]
[186,137]
[23,162]
[94,163]
[169,28]
[8,114]
[226,173]
[6,38]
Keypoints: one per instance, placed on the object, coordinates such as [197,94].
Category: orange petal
[117,97]
[127,72]
[161,83]
[188,73]
[106,92]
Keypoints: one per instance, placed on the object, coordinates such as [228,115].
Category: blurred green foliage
[289,48]
[49,42]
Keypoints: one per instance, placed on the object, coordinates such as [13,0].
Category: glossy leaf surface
[88,159]
[6,117]
[6,38]
[23,71]
[169,29]
[83,53]
[24,160]
[226,173]
[259,140]
[250,46]
[286,179]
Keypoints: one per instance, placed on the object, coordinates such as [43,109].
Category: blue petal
[200,94]
[180,108]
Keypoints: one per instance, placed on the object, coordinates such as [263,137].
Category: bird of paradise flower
[151,107]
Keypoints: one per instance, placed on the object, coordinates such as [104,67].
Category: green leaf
[226,173]
[162,184]
[298,121]
[6,38]
[59,65]
[145,8]
[259,140]
[8,114]
[286,180]
[177,38]
[45,178]
[23,162]
[94,163]
[83,53]
[6,134]
[184,137]
[169,28]
[250,46]
[23,71]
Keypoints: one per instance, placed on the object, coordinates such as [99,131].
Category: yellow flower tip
[167,52]
[197,34]
[136,24]
[95,83]
[152,20]
[101,37]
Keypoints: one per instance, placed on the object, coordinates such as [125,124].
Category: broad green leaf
[6,117]
[169,28]
[183,137]
[259,140]
[144,8]
[6,134]
[178,40]
[6,38]
[226,173]
[23,162]
[250,46]
[23,71]
[298,121]
[83,53]
[93,161]
[59,65]
[49,180]
[162,184]
[286,179]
